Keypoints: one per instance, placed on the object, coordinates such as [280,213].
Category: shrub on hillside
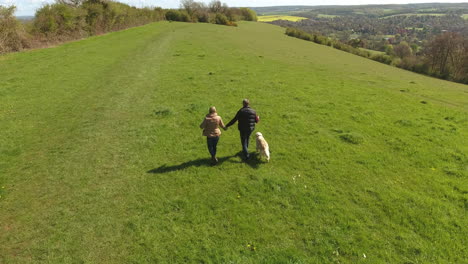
[60,20]
[91,17]
[231,24]
[221,19]
[203,16]
[173,15]
[248,14]
[414,63]
[12,36]
[95,17]
[185,17]
[381,58]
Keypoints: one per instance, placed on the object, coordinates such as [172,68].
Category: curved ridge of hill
[102,160]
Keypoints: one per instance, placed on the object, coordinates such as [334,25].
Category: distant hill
[25,18]
[376,10]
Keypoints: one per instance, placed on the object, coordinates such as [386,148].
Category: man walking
[247,118]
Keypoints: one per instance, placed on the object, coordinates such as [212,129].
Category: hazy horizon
[28,7]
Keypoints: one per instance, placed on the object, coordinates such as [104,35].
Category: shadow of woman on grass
[193,163]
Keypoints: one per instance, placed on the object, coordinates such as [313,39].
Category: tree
[389,50]
[216,7]
[402,50]
[193,8]
[447,55]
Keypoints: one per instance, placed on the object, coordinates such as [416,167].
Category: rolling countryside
[102,159]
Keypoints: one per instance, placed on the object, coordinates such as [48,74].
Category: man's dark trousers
[245,137]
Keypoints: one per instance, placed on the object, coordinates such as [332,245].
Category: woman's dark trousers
[212,143]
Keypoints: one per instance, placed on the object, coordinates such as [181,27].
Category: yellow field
[279,17]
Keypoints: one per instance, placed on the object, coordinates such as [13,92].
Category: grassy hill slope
[102,160]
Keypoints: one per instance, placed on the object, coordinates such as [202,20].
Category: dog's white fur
[262,146]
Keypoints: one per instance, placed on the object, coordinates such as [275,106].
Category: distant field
[465,16]
[102,159]
[415,14]
[280,17]
[415,28]
[327,16]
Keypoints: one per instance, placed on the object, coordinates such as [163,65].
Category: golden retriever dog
[262,146]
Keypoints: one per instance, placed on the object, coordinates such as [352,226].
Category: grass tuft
[352,138]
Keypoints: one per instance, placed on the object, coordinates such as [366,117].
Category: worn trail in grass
[102,160]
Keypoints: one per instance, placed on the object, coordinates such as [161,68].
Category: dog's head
[258,134]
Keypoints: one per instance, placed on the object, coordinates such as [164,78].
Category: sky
[28,7]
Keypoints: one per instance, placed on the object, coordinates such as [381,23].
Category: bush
[232,24]
[185,17]
[203,17]
[59,19]
[248,14]
[381,58]
[95,18]
[221,19]
[12,36]
[415,64]
[173,15]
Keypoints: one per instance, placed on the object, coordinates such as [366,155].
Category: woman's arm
[221,124]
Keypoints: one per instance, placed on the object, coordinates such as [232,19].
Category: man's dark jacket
[247,118]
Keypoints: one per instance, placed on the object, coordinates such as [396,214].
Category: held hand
[225,128]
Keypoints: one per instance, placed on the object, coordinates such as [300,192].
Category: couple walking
[246,117]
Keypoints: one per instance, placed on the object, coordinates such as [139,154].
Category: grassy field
[280,17]
[102,160]
[465,16]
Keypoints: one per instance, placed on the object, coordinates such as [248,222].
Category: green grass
[280,17]
[102,160]
[465,16]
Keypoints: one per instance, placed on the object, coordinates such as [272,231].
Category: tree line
[445,56]
[215,12]
[377,33]
[75,19]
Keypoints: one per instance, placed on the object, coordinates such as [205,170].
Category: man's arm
[257,117]
[233,120]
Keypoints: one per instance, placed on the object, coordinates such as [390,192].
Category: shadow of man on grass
[253,162]
[193,163]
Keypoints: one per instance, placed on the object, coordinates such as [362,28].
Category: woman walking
[211,131]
